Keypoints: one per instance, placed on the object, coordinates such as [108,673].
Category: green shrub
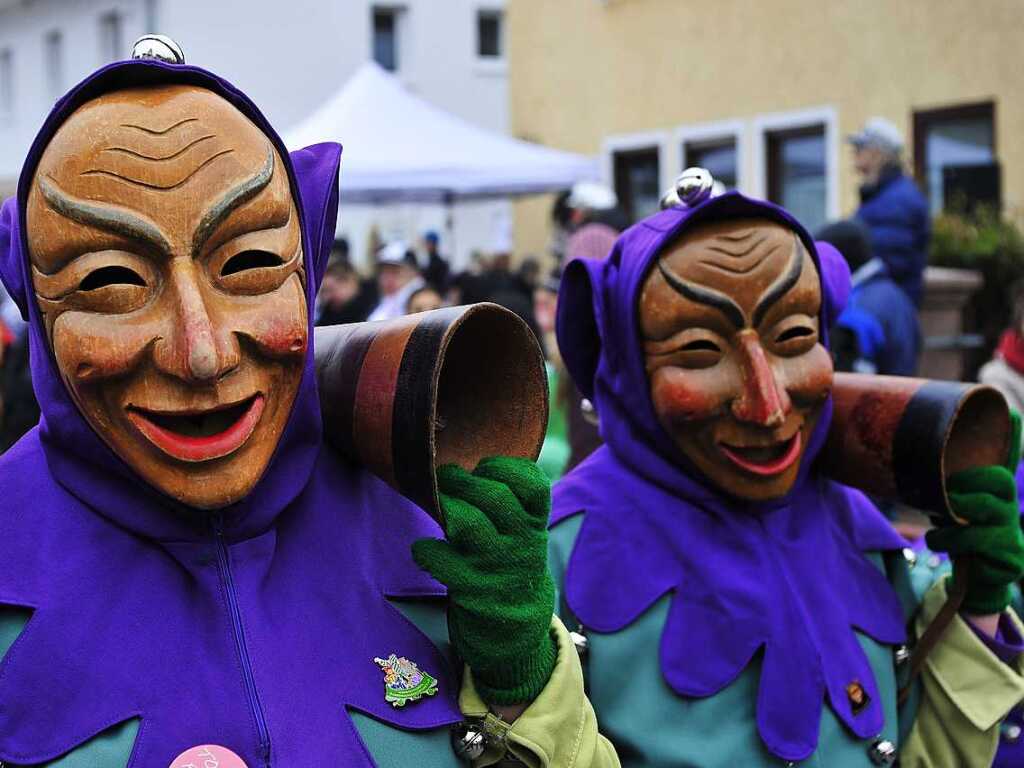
[990,244]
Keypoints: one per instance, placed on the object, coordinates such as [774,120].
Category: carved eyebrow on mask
[782,284]
[136,226]
[232,199]
[710,297]
[107,217]
[703,295]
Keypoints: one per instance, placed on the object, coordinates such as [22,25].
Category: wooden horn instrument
[448,386]
[900,438]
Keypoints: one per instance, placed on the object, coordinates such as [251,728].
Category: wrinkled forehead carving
[164,165]
[741,268]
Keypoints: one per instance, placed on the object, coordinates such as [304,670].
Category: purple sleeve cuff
[1007,644]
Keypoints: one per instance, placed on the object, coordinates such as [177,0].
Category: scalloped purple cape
[129,613]
[787,579]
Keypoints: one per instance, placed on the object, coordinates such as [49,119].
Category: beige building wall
[585,71]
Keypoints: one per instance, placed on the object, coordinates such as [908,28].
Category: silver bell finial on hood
[694,185]
[159,47]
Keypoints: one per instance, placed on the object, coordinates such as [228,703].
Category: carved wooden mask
[167,262]
[729,316]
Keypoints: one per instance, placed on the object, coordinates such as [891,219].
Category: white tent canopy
[400,148]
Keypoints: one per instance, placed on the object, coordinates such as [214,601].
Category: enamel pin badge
[404,681]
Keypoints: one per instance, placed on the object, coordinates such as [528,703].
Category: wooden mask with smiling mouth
[166,256]
[737,374]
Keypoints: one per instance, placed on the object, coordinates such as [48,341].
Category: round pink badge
[208,756]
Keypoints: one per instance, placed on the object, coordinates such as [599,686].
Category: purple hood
[131,608]
[785,581]
[78,458]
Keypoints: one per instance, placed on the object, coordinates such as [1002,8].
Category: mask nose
[197,352]
[762,401]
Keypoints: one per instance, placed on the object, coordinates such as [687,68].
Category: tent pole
[449,223]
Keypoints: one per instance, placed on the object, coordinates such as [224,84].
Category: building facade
[764,93]
[288,57]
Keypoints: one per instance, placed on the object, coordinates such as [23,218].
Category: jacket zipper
[228,582]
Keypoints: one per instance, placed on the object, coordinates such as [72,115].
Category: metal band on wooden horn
[448,386]
[901,438]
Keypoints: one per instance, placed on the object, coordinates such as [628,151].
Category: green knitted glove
[494,563]
[987,498]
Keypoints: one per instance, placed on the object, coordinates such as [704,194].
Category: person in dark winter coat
[878,332]
[892,207]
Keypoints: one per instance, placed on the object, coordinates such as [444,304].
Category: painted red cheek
[677,399]
[281,336]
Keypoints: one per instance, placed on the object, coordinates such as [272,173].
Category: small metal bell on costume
[580,641]
[669,200]
[694,186]
[469,741]
[589,412]
[883,753]
[901,654]
[159,47]
[910,556]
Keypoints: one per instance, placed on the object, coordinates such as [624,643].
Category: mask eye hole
[794,333]
[247,260]
[113,275]
[701,345]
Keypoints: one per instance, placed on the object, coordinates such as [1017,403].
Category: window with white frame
[6,83]
[53,51]
[387,25]
[797,173]
[112,36]
[637,182]
[490,34]
[955,156]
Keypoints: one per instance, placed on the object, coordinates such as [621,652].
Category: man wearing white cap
[398,278]
[892,207]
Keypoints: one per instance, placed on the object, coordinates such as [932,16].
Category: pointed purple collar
[790,583]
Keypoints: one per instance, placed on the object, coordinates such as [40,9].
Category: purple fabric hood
[785,581]
[131,616]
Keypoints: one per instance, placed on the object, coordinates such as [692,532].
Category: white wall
[287,56]
[23,28]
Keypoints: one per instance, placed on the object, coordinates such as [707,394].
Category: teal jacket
[653,727]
